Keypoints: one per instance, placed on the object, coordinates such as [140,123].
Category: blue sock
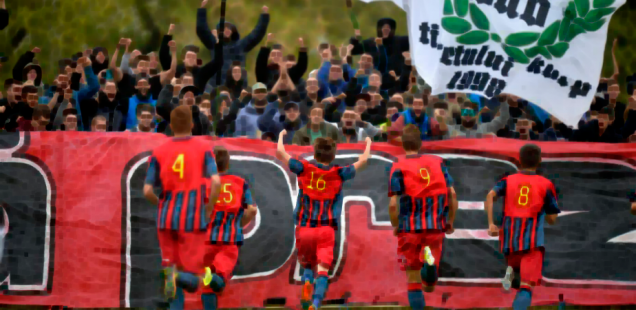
[188,281]
[320,289]
[523,300]
[209,301]
[217,284]
[179,300]
[308,275]
[416,298]
[429,274]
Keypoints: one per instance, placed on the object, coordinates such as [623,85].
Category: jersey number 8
[523,196]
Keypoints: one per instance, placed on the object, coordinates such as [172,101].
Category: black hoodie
[395,46]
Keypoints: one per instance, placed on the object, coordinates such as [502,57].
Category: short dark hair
[8,83]
[530,156]
[291,58]
[411,138]
[144,108]
[41,110]
[181,119]
[222,157]
[98,118]
[30,89]
[324,150]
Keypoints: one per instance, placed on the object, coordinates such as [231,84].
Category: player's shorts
[183,249]
[411,248]
[315,246]
[529,265]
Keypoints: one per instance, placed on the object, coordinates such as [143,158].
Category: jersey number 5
[226,191]
[426,176]
[178,166]
[523,196]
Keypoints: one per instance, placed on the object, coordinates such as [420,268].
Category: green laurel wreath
[577,19]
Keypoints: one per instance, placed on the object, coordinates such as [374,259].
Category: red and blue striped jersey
[320,192]
[528,197]
[181,168]
[422,182]
[225,222]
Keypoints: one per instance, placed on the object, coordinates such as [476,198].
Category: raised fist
[265,10]
[171,28]
[270,37]
[215,34]
[88,52]
[406,55]
[244,94]
[35,50]
[204,3]
[357,32]
[301,42]
[378,41]
[173,46]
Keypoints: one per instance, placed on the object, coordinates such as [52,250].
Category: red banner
[80,234]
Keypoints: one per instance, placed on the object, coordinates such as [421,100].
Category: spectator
[142,96]
[352,129]
[70,119]
[315,128]
[99,124]
[234,47]
[394,45]
[99,59]
[145,114]
[8,104]
[41,118]
[247,118]
[269,59]
[470,128]
[598,129]
[4,15]
[335,84]
[431,129]
[236,79]
[274,122]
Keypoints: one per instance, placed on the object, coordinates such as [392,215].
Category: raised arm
[298,70]
[281,154]
[203,29]
[362,160]
[112,64]
[616,68]
[454,205]
[164,50]
[166,76]
[251,40]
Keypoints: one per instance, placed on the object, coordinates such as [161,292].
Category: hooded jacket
[236,48]
[395,46]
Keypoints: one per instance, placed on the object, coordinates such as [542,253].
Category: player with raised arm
[318,211]
[182,168]
[422,209]
[233,210]
[529,201]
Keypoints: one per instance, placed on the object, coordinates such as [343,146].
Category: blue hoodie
[246,123]
[133,102]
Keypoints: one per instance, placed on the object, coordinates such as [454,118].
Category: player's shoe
[170,283]
[507,280]
[428,256]
[305,297]
[207,278]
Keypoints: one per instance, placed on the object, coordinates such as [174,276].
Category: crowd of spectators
[364,88]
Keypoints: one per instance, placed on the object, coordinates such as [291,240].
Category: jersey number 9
[426,176]
[318,184]
[178,166]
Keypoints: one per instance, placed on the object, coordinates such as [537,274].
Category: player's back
[225,222]
[528,197]
[183,167]
[320,192]
[422,182]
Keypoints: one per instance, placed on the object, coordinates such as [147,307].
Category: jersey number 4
[178,166]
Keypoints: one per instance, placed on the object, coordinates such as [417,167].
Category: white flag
[549,52]
[397,2]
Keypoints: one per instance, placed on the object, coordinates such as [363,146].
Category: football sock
[516,282]
[217,284]
[321,288]
[188,281]
[429,274]
[522,300]
[209,301]
[308,275]
[416,297]
[179,300]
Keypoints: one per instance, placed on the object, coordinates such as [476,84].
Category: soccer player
[318,211]
[421,192]
[182,168]
[233,210]
[529,200]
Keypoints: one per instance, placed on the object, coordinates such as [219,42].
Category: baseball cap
[259,86]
